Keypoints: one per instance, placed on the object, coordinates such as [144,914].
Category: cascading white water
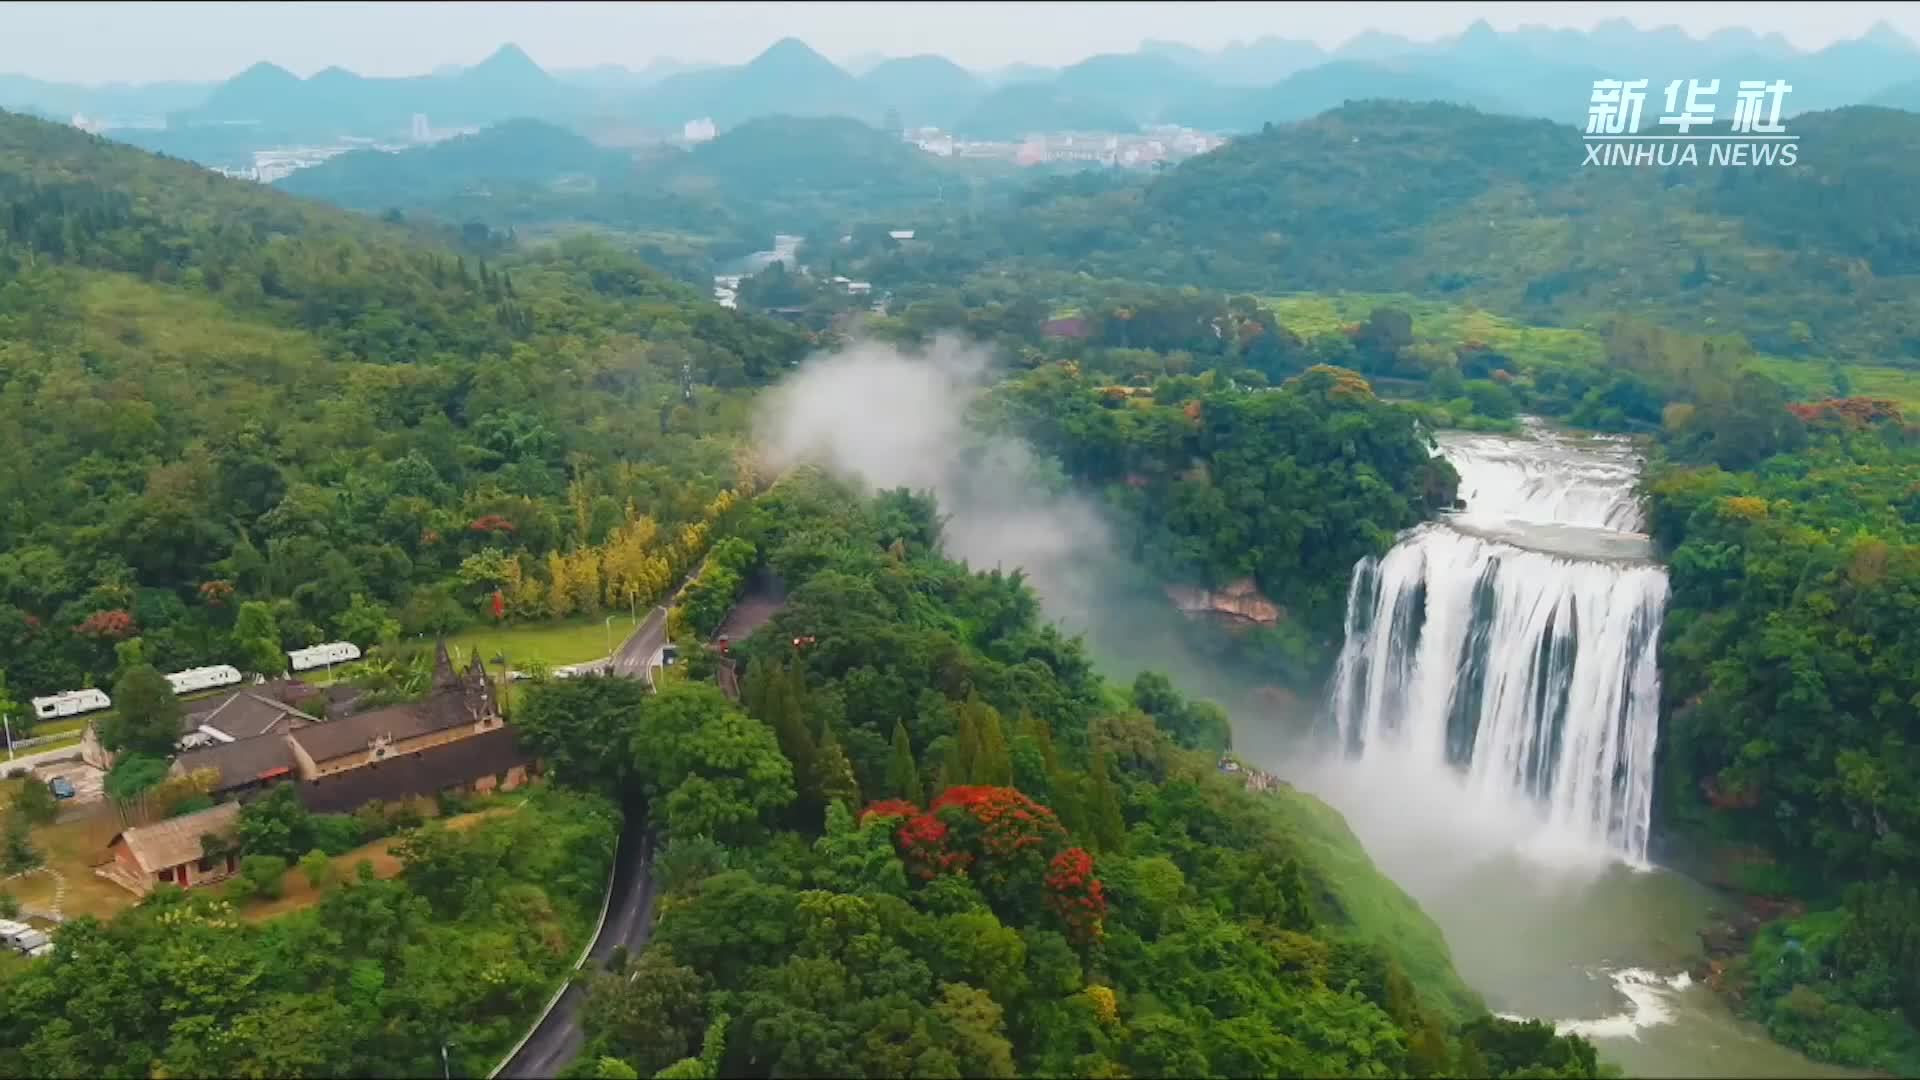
[1552,481]
[1513,643]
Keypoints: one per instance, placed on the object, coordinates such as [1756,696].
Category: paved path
[557,1039]
[54,912]
[637,651]
[763,599]
[25,762]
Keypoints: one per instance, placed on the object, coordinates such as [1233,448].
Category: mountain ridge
[1532,69]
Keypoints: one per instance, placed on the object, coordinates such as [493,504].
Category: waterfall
[1513,644]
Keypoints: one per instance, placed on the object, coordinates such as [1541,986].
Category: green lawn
[61,726]
[569,641]
[1812,379]
[1313,314]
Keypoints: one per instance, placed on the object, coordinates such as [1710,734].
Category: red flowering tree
[921,838]
[491,523]
[107,626]
[1076,897]
[1013,848]
[996,836]
[1851,411]
[217,594]
[1008,835]
[889,810]
[925,846]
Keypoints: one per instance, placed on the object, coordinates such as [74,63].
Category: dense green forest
[461,950]
[935,843]
[1816,260]
[1289,486]
[1791,662]
[222,395]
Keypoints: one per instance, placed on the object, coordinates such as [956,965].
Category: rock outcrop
[1239,602]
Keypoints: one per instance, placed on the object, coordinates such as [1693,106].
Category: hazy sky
[142,42]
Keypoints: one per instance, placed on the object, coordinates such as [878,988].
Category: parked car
[61,787]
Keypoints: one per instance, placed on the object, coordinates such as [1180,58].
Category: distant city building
[698,131]
[421,132]
[1138,151]
[936,144]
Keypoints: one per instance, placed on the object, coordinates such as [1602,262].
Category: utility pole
[7,722]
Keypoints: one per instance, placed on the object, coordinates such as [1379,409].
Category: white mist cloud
[877,415]
[888,418]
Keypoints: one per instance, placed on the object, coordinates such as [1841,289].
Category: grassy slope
[1377,909]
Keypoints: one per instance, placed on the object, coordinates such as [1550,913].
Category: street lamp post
[608,628]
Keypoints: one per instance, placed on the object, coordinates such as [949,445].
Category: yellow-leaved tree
[560,591]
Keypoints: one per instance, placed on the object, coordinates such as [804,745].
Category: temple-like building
[453,738]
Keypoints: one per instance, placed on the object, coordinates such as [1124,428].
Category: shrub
[317,867]
[17,853]
[36,803]
[189,805]
[260,875]
[337,834]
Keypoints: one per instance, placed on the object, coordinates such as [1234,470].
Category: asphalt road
[629,921]
[25,762]
[631,658]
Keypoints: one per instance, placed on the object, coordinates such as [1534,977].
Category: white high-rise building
[421,132]
[698,131]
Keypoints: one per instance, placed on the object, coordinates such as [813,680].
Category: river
[1496,714]
[726,285]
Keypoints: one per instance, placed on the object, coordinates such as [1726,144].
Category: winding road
[557,1038]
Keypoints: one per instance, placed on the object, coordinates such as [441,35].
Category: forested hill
[787,174]
[1818,259]
[527,151]
[217,394]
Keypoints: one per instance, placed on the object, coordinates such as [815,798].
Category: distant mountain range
[337,101]
[1532,71]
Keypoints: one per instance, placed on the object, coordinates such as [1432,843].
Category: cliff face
[1239,602]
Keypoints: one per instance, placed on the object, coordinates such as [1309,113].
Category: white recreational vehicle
[336,652]
[71,703]
[203,678]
